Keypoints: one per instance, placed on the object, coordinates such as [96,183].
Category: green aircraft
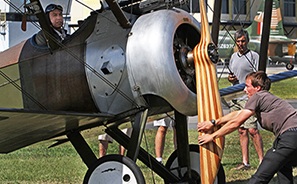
[280,49]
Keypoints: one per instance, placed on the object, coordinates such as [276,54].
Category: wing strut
[142,155]
[118,13]
[82,148]
[216,21]
[137,133]
[183,149]
[265,35]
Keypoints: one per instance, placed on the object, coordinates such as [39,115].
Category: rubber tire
[289,66]
[195,148]
[107,168]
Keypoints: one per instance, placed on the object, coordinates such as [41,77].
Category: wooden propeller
[208,98]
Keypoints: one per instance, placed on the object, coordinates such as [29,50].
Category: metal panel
[108,44]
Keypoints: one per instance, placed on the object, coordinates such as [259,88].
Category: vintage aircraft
[112,71]
[281,48]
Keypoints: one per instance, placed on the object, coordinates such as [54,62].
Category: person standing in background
[163,125]
[242,63]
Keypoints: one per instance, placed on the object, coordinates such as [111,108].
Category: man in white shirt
[242,63]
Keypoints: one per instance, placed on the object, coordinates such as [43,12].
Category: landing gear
[172,164]
[114,169]
[289,66]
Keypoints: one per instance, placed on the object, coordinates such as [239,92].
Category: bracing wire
[149,157]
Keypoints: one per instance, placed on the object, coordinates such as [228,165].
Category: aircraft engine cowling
[159,58]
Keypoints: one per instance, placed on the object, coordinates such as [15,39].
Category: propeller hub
[185,58]
[213,53]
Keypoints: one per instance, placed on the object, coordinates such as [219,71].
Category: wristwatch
[213,122]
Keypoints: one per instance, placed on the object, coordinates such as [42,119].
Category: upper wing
[279,41]
[235,91]
[20,128]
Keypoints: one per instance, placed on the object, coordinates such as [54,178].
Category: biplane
[127,62]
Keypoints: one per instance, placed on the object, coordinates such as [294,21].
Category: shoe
[241,167]
[160,160]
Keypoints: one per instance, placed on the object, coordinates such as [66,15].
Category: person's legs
[160,142]
[285,176]
[236,105]
[122,150]
[257,140]
[103,145]
[251,124]
[128,132]
[244,144]
[104,139]
[267,168]
[162,125]
[278,159]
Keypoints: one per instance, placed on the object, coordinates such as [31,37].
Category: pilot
[54,15]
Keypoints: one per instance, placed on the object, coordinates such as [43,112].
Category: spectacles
[52,7]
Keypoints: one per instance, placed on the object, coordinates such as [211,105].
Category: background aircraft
[281,48]
[118,67]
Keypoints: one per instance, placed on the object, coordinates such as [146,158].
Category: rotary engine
[160,59]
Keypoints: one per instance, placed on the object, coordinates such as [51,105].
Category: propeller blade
[24,23]
[24,19]
[208,98]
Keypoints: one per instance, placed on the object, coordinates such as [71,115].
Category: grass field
[38,164]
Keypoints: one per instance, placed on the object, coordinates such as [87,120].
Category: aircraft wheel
[115,169]
[289,66]
[172,165]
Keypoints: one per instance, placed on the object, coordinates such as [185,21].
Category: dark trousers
[278,159]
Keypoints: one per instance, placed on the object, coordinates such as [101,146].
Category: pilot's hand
[203,139]
[232,78]
[204,126]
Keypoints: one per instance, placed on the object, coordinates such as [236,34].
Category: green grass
[38,164]
[285,89]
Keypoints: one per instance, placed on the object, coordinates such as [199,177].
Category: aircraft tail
[276,29]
